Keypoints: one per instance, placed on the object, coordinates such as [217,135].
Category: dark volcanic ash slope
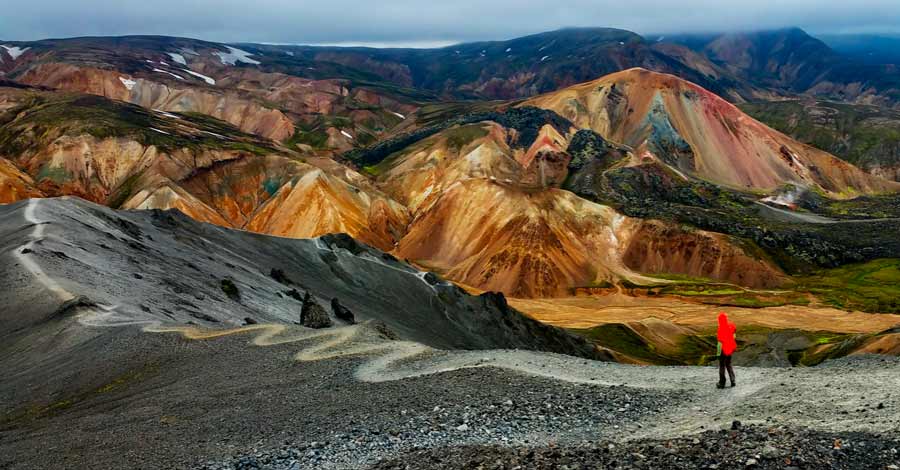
[62,256]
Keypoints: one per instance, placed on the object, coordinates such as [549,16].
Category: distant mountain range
[532,166]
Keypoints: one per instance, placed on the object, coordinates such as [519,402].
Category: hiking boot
[733,384]
[720,385]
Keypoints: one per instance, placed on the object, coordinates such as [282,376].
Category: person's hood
[723,319]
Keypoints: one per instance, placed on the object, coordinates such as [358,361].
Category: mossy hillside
[712,292]
[798,347]
[867,136]
[44,117]
[869,287]
[653,191]
[455,139]
[691,350]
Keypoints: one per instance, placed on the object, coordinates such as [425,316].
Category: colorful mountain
[698,133]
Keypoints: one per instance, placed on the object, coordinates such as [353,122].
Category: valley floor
[589,311]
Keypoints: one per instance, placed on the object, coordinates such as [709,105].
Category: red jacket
[726,334]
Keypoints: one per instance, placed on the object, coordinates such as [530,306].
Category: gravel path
[95,390]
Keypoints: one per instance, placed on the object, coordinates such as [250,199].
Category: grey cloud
[425,22]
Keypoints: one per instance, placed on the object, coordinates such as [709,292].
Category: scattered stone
[230,289]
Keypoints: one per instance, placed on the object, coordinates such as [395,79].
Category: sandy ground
[589,311]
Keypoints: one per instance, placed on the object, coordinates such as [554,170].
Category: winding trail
[382,360]
[24,255]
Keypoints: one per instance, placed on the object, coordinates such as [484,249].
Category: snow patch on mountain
[398,115]
[168,115]
[178,58]
[14,51]
[234,55]
[169,73]
[209,80]
[346,134]
[129,83]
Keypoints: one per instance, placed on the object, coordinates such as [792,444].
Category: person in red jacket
[727,339]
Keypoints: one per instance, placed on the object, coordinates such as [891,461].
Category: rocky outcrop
[342,312]
[313,315]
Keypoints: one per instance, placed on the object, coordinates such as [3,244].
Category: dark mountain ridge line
[526,120]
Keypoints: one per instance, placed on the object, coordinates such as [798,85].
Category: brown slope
[271,94]
[127,157]
[14,184]
[317,203]
[488,213]
[247,114]
[702,135]
[494,237]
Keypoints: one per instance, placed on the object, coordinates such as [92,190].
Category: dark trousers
[725,363]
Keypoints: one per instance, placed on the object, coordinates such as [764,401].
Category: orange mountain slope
[132,158]
[702,135]
[489,213]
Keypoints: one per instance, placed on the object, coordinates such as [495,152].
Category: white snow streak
[129,83]
[169,73]
[168,115]
[398,115]
[14,51]
[178,58]
[234,56]
[346,134]
[200,75]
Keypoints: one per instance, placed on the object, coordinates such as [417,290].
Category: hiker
[727,345]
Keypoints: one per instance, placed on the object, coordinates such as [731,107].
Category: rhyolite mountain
[310,105]
[532,198]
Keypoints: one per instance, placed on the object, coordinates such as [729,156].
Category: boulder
[342,312]
[313,315]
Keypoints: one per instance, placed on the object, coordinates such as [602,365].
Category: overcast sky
[426,23]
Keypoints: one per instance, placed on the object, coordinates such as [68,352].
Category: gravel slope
[99,386]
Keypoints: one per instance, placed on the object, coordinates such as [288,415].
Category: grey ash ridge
[413,372]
